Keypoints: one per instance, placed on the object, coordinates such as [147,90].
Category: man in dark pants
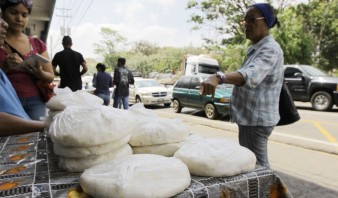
[122,78]
[69,62]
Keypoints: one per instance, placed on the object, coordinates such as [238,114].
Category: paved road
[316,130]
[308,173]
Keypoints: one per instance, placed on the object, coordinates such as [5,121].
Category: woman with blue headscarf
[258,83]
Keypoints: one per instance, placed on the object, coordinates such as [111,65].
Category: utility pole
[64,30]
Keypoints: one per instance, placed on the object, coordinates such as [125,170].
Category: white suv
[149,92]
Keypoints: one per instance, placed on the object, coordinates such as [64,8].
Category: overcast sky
[163,22]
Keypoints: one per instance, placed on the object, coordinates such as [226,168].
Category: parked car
[309,84]
[186,94]
[149,92]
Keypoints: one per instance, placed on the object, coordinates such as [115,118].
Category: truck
[309,84]
[196,64]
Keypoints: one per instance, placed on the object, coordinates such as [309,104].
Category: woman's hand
[35,69]
[209,86]
[13,60]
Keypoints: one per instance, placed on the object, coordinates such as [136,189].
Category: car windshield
[147,83]
[312,71]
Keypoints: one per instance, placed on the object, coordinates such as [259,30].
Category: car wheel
[176,106]
[322,101]
[167,104]
[210,111]
[138,99]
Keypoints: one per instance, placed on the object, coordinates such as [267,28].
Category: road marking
[325,133]
[328,123]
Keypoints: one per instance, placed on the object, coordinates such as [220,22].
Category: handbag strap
[13,50]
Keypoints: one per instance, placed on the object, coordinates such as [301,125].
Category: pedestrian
[122,78]
[18,46]
[119,102]
[69,63]
[13,118]
[255,97]
[102,81]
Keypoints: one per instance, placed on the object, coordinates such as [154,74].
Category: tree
[220,16]
[322,27]
[109,44]
[293,38]
[309,32]
[145,47]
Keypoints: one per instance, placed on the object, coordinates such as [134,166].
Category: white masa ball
[140,175]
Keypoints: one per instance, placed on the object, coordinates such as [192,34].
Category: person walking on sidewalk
[69,62]
[122,78]
[258,83]
[102,81]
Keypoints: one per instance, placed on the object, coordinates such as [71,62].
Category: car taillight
[336,87]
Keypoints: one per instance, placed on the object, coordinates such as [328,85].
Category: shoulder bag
[287,109]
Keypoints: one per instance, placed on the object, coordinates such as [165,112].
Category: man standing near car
[69,62]
[122,78]
[255,99]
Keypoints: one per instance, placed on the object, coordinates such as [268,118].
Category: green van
[186,94]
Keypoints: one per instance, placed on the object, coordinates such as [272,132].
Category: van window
[183,83]
[208,69]
[194,82]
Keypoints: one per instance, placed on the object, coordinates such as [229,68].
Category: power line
[64,29]
[81,18]
[80,9]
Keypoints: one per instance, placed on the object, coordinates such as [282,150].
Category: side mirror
[298,74]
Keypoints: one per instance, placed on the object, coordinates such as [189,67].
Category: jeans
[105,98]
[255,138]
[118,99]
[34,107]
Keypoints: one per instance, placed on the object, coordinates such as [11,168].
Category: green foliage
[109,44]
[309,32]
[165,60]
[292,37]
[224,15]
[322,26]
[308,35]
[145,47]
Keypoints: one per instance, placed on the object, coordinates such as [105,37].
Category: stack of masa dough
[157,135]
[87,136]
[215,157]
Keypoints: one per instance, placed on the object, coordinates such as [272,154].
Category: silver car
[149,92]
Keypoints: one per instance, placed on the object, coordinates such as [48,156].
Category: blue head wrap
[267,13]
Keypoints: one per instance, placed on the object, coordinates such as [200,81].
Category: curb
[307,143]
